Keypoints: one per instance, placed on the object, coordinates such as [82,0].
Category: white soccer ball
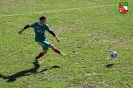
[113,54]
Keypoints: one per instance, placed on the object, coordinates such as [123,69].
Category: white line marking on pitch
[52,11]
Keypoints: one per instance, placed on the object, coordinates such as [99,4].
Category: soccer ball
[113,54]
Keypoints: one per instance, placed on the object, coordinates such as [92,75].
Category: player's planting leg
[54,49]
[40,54]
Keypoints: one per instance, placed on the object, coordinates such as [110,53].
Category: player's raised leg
[55,49]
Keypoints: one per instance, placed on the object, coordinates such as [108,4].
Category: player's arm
[51,32]
[20,32]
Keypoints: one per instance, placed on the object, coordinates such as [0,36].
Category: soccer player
[40,37]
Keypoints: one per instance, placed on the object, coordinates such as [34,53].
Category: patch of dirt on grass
[90,73]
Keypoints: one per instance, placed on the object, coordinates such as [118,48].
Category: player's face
[43,21]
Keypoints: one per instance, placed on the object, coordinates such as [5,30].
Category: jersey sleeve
[48,28]
[32,24]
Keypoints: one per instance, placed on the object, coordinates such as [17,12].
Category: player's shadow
[55,66]
[109,65]
[33,70]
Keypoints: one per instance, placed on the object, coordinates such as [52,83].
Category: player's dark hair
[42,18]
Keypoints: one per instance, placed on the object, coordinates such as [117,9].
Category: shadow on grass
[33,70]
[48,68]
[109,65]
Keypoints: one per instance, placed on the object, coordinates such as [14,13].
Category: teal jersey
[39,30]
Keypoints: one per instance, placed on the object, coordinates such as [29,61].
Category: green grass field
[89,30]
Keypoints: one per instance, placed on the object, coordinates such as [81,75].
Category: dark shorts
[45,44]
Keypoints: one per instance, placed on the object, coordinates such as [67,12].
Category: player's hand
[58,40]
[20,32]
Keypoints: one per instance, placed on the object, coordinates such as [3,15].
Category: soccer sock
[57,51]
[40,55]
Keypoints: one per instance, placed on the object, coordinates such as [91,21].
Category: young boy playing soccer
[40,37]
